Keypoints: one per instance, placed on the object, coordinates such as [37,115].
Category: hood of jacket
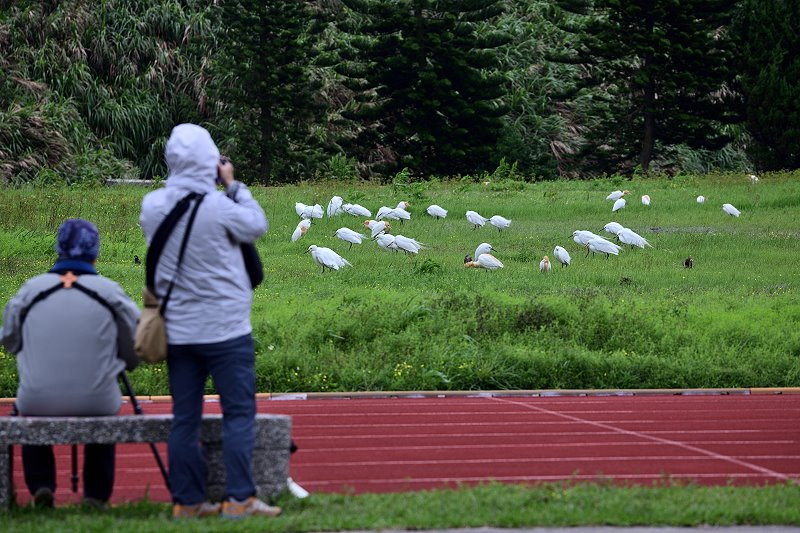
[192,158]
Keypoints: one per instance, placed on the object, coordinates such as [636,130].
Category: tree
[662,67]
[272,47]
[428,85]
[768,36]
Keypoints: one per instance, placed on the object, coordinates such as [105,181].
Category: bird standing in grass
[499,222]
[544,265]
[356,210]
[136,260]
[619,204]
[348,235]
[582,236]
[308,211]
[753,179]
[436,212]
[616,195]
[484,248]
[408,245]
[301,229]
[688,262]
[701,199]
[732,211]
[327,258]
[646,199]
[386,242]
[486,261]
[562,255]
[335,206]
[628,236]
[603,246]
[613,228]
[475,219]
[376,227]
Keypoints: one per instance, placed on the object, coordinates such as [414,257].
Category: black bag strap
[23,314]
[160,238]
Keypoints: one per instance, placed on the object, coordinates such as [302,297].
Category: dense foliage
[302,89]
[769,35]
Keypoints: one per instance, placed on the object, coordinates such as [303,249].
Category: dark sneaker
[43,498]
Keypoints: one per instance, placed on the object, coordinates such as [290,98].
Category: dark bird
[688,262]
[136,260]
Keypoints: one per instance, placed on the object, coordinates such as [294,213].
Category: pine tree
[768,34]
[661,69]
[428,86]
[272,46]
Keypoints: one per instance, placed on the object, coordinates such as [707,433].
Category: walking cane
[137,409]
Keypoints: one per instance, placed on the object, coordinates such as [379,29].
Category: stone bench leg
[6,487]
[269,470]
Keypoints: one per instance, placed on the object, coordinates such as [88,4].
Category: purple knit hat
[77,239]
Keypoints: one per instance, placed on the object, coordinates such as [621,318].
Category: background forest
[295,90]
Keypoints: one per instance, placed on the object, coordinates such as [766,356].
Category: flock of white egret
[380,231]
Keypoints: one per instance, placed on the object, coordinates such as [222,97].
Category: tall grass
[391,322]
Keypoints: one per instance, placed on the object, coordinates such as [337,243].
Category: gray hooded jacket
[73,349]
[212,296]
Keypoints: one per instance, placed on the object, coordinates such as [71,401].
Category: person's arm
[243,218]
[11,336]
[127,317]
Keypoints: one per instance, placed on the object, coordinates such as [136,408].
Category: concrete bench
[270,456]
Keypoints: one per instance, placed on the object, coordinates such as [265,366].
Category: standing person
[208,321]
[72,332]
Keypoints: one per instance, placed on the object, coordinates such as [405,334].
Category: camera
[223,160]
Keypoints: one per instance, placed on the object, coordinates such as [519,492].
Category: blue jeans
[231,365]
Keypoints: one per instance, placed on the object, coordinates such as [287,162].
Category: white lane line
[574,477]
[362,449]
[525,460]
[696,449]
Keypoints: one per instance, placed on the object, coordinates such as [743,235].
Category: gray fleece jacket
[212,296]
[70,349]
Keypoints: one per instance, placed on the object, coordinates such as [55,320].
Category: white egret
[356,210]
[487,261]
[562,255]
[582,236]
[327,258]
[646,199]
[348,235]
[386,241]
[616,195]
[628,236]
[619,204]
[308,211]
[403,205]
[613,228]
[376,227]
[701,199]
[301,229]
[484,248]
[499,222]
[476,220]
[335,206]
[436,212]
[385,212]
[544,265]
[732,211]
[603,246]
[408,245]
[753,179]
[400,214]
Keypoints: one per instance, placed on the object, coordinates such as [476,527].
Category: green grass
[391,322]
[509,506]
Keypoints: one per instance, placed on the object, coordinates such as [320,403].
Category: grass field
[393,322]
[509,506]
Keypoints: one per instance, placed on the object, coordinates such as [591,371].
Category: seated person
[72,332]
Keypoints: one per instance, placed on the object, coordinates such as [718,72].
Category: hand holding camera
[225,172]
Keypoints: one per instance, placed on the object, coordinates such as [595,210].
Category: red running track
[401,444]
